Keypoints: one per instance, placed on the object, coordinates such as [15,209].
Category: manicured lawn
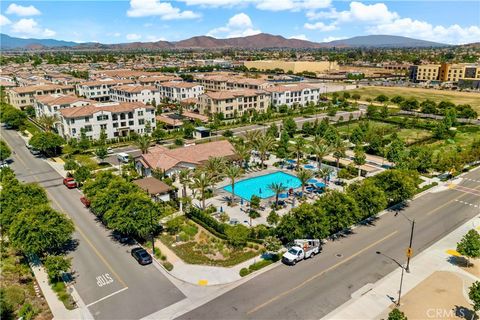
[464,137]
[420,94]
[412,135]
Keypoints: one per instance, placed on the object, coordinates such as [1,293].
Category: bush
[167,265]
[244,272]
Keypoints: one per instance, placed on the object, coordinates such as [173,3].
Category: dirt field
[420,94]
[439,296]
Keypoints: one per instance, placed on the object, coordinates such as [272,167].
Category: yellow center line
[91,245]
[319,274]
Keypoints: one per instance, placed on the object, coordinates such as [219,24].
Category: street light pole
[401,277]
[407,268]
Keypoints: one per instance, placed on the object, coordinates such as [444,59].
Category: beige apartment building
[21,97]
[425,72]
[459,71]
[224,82]
[233,103]
[293,66]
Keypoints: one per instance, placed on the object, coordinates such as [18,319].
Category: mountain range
[258,41]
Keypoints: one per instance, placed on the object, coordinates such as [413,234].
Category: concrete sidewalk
[57,307]
[374,301]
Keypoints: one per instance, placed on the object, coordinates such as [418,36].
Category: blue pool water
[259,185]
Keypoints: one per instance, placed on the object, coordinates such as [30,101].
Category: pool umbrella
[320,185]
[221,209]
[241,201]
[291,161]
[283,195]
[312,181]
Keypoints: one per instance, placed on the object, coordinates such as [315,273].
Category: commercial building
[171,161]
[50,105]
[293,66]
[99,90]
[118,119]
[294,94]
[178,90]
[425,72]
[233,103]
[457,71]
[21,97]
[135,93]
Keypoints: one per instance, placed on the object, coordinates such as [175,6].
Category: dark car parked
[141,255]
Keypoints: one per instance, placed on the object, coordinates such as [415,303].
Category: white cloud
[359,12]
[299,37]
[239,25]
[133,37]
[23,11]
[29,27]
[328,39]
[320,26]
[152,38]
[165,10]
[453,34]
[215,3]
[293,5]
[117,34]
[4,20]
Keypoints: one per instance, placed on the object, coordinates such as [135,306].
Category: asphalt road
[315,287]
[109,281]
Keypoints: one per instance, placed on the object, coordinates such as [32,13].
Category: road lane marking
[91,244]
[16,155]
[104,279]
[454,199]
[467,190]
[106,297]
[319,274]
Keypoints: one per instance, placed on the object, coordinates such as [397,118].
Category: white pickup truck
[302,249]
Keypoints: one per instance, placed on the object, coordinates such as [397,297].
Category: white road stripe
[106,297]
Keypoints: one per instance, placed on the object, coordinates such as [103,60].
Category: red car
[85,202]
[70,183]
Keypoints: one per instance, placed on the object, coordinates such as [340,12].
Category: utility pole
[410,250]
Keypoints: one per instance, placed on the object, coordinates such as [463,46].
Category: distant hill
[7,42]
[258,41]
[384,41]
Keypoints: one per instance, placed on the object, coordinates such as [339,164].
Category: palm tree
[325,173]
[339,150]
[252,138]
[359,158]
[304,175]
[185,179]
[277,188]
[298,148]
[320,149]
[201,181]
[48,122]
[215,166]
[233,172]
[143,143]
[264,145]
[242,152]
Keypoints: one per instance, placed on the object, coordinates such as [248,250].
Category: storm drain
[339,255]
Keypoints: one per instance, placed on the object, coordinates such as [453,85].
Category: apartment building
[233,103]
[224,82]
[178,90]
[99,90]
[21,97]
[291,94]
[459,71]
[153,80]
[425,72]
[135,93]
[50,105]
[118,119]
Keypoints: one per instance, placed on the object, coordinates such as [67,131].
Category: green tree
[273,218]
[277,188]
[396,150]
[289,126]
[272,131]
[339,150]
[469,246]
[84,143]
[428,106]
[56,266]
[272,244]
[298,148]
[233,173]
[185,178]
[143,143]
[237,235]
[381,98]
[40,230]
[12,116]
[101,153]
[409,104]
[474,295]
[398,185]
[369,198]
[304,175]
[253,214]
[82,174]
[341,209]
[264,145]
[397,99]
[320,149]
[47,142]
[48,122]
[356,96]
[5,151]
[359,158]
[396,314]
[304,221]
[202,181]
[242,152]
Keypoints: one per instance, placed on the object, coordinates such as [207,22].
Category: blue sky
[113,21]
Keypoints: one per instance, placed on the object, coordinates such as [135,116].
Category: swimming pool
[259,185]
